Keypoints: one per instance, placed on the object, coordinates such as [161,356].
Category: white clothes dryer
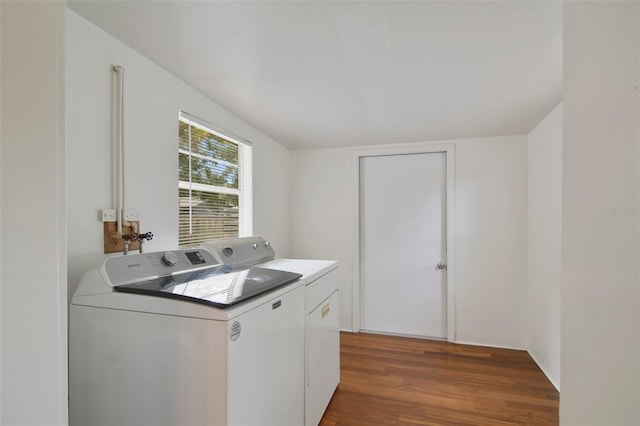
[322,317]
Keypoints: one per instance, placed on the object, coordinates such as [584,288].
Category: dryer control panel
[245,251]
[140,267]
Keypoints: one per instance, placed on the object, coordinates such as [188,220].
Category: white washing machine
[322,319]
[176,339]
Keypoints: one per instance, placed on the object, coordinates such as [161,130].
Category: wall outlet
[107,215]
[131,215]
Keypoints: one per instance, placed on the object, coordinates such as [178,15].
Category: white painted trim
[212,128]
[451,238]
[408,336]
[421,148]
[61,213]
[489,345]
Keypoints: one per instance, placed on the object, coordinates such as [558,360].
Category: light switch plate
[107,215]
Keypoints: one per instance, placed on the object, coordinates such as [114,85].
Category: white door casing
[402,239]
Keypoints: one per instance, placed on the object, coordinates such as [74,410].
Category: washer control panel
[140,267]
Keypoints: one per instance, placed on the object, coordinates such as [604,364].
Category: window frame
[244,191]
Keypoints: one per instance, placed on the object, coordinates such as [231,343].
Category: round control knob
[227,251]
[170,258]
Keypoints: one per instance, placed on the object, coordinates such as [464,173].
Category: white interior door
[402,240]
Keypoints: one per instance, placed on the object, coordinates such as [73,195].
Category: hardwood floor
[389,380]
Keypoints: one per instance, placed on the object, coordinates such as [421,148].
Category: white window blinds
[214,181]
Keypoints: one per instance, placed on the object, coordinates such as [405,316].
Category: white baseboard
[488,345]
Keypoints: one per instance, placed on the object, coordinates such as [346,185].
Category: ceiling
[315,74]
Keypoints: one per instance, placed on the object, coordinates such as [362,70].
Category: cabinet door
[323,358]
[323,335]
[266,363]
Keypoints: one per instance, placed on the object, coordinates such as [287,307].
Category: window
[214,183]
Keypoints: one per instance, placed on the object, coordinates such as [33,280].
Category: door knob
[441,266]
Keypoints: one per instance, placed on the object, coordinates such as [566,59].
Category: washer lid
[220,286]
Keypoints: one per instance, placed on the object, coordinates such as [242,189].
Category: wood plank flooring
[387,380]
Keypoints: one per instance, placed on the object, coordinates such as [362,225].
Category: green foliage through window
[209,181]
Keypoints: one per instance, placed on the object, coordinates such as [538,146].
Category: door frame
[449,151]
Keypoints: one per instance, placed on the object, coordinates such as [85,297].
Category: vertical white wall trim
[61,214]
[33,295]
[600,345]
[1,208]
[449,149]
[451,244]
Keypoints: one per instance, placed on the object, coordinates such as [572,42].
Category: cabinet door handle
[276,305]
[325,311]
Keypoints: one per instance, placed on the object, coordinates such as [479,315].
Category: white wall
[545,243]
[600,348]
[321,213]
[152,100]
[33,260]
[491,226]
